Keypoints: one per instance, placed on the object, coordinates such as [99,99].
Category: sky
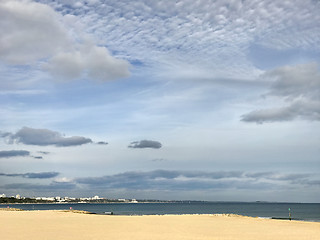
[172,100]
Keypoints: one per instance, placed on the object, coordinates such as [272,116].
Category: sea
[298,211]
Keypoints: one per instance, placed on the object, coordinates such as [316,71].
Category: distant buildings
[59,199]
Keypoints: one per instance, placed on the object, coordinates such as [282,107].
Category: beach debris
[76,211]
[10,209]
[228,215]
[108,213]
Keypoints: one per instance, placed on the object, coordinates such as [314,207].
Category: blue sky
[200,100]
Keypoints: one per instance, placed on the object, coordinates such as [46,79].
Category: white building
[2,195]
[45,198]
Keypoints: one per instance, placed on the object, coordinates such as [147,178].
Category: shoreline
[143,215]
[300,212]
[55,224]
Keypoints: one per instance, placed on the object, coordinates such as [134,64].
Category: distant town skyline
[172,100]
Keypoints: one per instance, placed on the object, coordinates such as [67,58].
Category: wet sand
[76,226]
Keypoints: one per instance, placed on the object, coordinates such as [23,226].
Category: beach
[74,225]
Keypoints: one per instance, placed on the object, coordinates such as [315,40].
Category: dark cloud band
[165,180]
[195,180]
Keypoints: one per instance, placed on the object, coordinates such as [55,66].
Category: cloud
[309,110]
[299,87]
[43,152]
[159,160]
[291,82]
[196,180]
[41,175]
[88,61]
[36,33]
[38,187]
[194,37]
[45,137]
[258,175]
[277,176]
[102,143]
[305,179]
[145,144]
[33,31]
[162,179]
[14,153]
[63,180]
[169,180]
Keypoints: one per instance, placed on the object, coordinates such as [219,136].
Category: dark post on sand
[290,214]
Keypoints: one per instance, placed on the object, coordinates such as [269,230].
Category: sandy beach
[71,225]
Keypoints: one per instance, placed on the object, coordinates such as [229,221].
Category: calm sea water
[299,211]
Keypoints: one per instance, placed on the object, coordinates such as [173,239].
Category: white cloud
[35,32]
[301,80]
[67,65]
[299,87]
[102,66]
[30,31]
[90,61]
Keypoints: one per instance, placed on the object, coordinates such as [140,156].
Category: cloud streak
[102,143]
[54,186]
[145,144]
[14,153]
[40,175]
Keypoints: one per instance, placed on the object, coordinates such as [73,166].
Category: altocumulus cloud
[145,144]
[14,153]
[44,137]
[52,40]
[299,87]
[210,24]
